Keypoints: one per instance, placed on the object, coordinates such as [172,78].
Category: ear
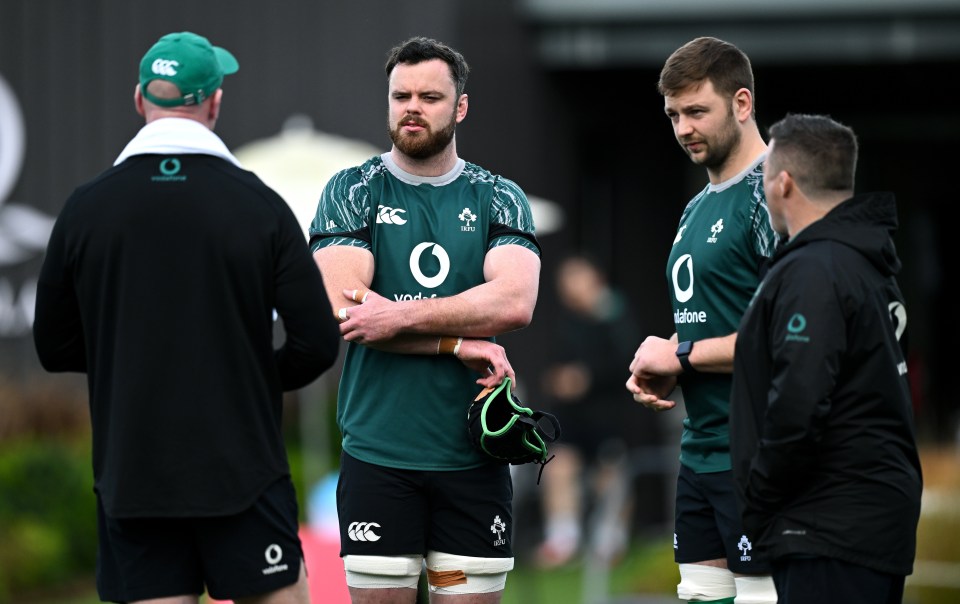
[742,105]
[214,111]
[461,108]
[786,183]
[138,101]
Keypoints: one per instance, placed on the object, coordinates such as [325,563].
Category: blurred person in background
[160,282]
[583,385]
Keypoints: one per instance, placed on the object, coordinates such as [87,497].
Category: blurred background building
[563,100]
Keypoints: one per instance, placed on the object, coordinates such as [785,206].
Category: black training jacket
[820,371]
[160,282]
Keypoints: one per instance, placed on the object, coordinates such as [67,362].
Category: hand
[372,320]
[653,373]
[652,392]
[656,357]
[488,359]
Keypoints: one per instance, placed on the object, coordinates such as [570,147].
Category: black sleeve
[57,326]
[312,334]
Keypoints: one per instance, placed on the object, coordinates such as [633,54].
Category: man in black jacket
[823,443]
[161,280]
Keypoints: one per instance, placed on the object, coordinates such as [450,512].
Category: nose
[413,105]
[682,126]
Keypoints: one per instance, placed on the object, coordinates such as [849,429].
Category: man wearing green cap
[170,313]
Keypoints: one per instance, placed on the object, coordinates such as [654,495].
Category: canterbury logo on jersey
[386,215]
[363,531]
[679,234]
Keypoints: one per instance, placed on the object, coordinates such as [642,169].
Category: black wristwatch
[683,355]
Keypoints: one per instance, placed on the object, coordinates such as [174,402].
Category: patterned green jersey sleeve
[513,217]
[764,237]
[343,211]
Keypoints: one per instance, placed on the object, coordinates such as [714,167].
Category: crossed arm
[503,303]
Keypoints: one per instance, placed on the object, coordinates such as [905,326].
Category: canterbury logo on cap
[165,67]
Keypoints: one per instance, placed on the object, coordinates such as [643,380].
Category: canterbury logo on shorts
[363,531]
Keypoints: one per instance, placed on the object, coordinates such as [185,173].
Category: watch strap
[683,355]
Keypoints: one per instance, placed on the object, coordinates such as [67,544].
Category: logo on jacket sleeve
[898,316]
[795,327]
[744,546]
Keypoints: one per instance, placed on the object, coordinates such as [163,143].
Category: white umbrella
[298,162]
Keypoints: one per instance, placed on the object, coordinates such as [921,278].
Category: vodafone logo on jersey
[363,531]
[441,256]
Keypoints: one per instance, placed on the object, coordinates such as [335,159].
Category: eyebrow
[419,93]
[686,108]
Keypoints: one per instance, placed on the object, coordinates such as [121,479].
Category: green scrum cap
[190,62]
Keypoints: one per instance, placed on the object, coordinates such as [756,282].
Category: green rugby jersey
[429,236]
[712,271]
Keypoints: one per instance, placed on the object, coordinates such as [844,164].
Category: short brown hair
[726,66]
[419,49]
[818,152]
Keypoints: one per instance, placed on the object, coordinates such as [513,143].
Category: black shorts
[829,581]
[253,552]
[707,524]
[392,512]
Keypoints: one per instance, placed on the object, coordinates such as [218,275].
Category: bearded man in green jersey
[722,242]
[426,258]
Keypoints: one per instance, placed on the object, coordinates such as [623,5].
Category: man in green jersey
[723,240]
[426,258]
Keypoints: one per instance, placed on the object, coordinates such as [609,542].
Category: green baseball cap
[190,62]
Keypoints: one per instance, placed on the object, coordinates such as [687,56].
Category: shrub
[48,511]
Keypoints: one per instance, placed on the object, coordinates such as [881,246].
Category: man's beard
[721,145]
[424,144]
